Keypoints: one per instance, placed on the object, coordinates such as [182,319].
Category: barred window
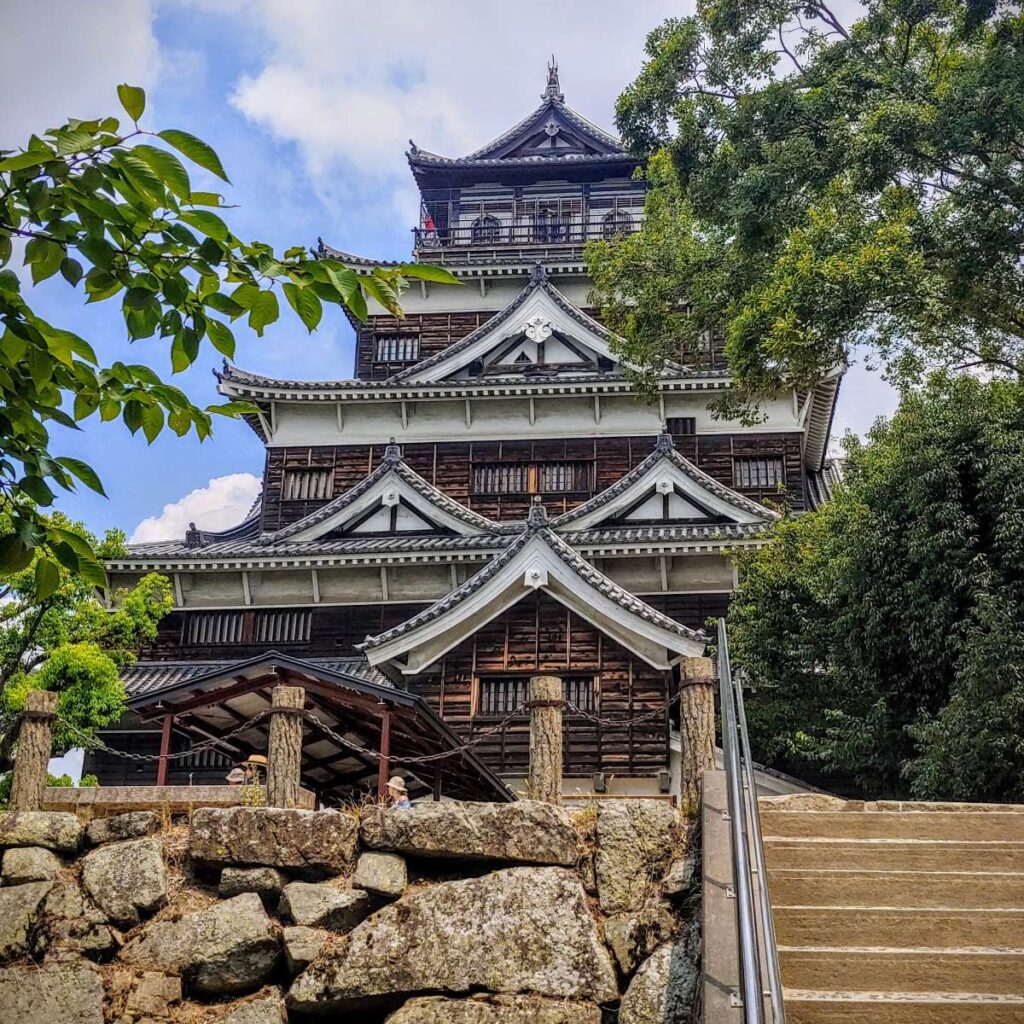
[486,230]
[501,695]
[396,348]
[215,628]
[758,472]
[211,629]
[616,224]
[308,484]
[681,425]
[532,477]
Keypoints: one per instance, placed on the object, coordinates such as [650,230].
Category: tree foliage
[55,635]
[884,632]
[112,210]
[818,186]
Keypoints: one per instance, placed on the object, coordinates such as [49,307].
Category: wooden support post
[546,703]
[384,765]
[284,747]
[437,781]
[34,749]
[696,728]
[165,749]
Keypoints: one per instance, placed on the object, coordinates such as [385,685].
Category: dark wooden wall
[449,466]
[540,635]
[436,331]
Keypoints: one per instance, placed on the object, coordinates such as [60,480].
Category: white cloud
[223,502]
[66,59]
[350,90]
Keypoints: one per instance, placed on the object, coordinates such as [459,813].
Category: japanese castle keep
[485,499]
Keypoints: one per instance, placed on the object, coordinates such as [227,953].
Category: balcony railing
[495,235]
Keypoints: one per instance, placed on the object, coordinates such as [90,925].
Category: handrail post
[34,750]
[750,966]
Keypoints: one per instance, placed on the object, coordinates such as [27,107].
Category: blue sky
[310,104]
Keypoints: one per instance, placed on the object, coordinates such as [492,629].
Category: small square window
[307,484]
[396,348]
[681,425]
[758,472]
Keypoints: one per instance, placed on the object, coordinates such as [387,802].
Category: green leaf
[427,272]
[133,99]
[23,160]
[35,487]
[221,337]
[152,422]
[264,310]
[209,223]
[71,270]
[347,284]
[168,168]
[195,149]
[47,579]
[84,472]
[306,303]
[137,298]
[15,555]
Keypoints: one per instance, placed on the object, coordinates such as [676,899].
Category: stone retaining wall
[446,914]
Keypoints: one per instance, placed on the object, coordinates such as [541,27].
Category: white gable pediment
[665,488]
[394,500]
[538,561]
[540,327]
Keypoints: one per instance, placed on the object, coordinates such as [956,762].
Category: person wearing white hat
[398,793]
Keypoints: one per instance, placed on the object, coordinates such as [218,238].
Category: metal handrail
[742,794]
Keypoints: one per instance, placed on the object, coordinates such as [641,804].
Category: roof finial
[539,273]
[392,453]
[553,91]
[537,517]
[664,442]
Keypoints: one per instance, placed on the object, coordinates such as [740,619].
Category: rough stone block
[154,994]
[132,825]
[302,946]
[53,830]
[315,843]
[524,832]
[20,917]
[383,874]
[56,992]
[23,864]
[267,883]
[495,1010]
[635,841]
[126,880]
[266,1008]
[318,905]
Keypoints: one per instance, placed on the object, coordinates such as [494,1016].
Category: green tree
[112,210]
[819,187]
[55,635]
[884,633]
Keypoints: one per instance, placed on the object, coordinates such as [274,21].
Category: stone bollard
[546,704]
[284,748]
[35,744]
[696,727]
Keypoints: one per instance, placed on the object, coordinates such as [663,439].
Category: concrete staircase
[897,913]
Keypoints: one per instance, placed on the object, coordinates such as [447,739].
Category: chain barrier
[93,742]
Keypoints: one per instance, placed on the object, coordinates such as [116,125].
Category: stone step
[805,1006]
[894,854]
[967,826]
[814,925]
[830,968]
[919,889]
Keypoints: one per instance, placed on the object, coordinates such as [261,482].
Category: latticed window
[616,224]
[501,695]
[758,472]
[681,425]
[532,477]
[307,484]
[211,629]
[396,348]
[486,230]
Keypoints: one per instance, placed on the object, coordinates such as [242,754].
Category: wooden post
[437,781]
[35,745]
[546,703]
[284,748]
[165,749]
[384,764]
[696,727]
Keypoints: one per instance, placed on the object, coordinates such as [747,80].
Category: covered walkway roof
[370,718]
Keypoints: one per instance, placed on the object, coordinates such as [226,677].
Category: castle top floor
[540,190]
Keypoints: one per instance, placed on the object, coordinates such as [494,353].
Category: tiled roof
[392,463]
[149,676]
[821,484]
[664,450]
[537,526]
